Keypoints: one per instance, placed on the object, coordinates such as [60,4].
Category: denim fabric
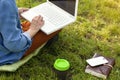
[13,41]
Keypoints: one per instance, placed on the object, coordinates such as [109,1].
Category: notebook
[103,70]
[56,14]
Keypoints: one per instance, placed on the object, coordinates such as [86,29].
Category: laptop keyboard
[52,15]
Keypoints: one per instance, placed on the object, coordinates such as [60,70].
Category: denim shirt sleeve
[13,38]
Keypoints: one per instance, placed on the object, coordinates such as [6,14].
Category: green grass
[97,30]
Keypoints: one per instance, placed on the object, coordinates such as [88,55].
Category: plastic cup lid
[61,65]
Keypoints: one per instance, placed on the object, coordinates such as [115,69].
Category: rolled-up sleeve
[13,38]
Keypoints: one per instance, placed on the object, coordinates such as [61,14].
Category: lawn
[96,30]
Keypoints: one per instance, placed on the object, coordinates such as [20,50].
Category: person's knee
[52,40]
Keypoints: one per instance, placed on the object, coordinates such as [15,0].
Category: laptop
[56,14]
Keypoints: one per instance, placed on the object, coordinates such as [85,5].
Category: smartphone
[97,61]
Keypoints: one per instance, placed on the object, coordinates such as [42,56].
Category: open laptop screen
[67,5]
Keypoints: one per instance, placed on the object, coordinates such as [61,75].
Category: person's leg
[39,39]
[52,40]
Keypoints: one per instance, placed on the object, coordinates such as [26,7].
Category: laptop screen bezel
[76,8]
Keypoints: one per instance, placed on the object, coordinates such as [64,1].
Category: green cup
[61,68]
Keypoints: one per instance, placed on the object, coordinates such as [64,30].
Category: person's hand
[21,10]
[36,24]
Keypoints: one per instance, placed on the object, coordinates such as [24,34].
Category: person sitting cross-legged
[15,43]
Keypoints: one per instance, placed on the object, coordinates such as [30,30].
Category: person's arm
[10,29]
[13,38]
[36,23]
[35,26]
